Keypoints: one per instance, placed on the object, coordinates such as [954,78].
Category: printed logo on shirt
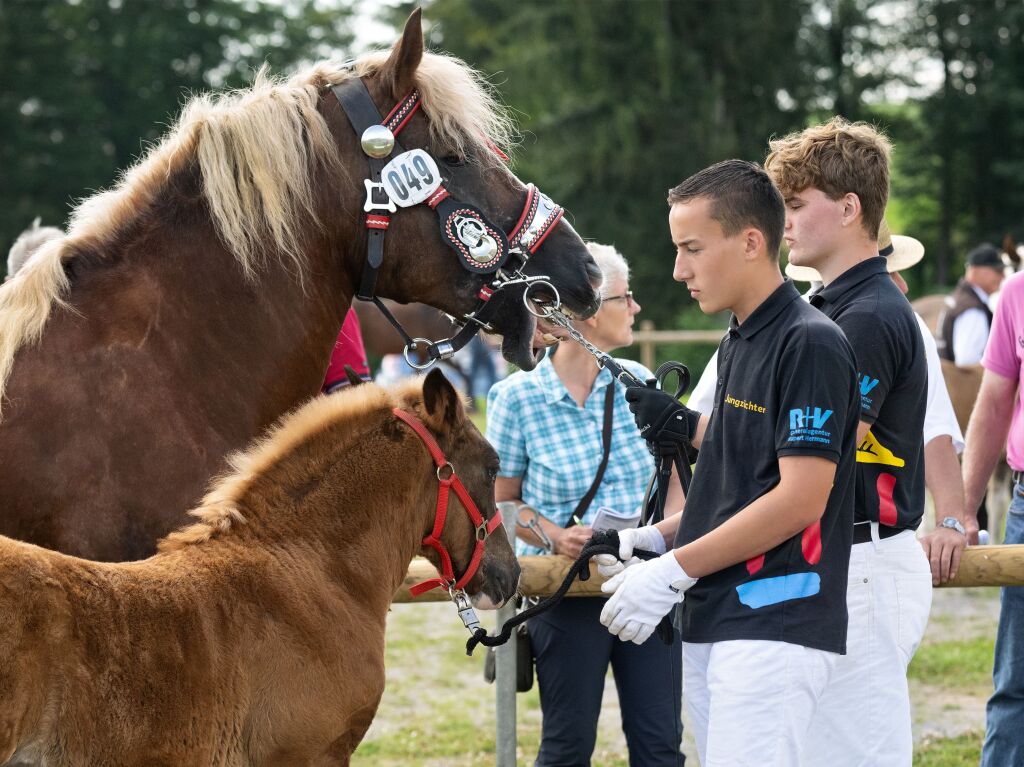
[808,425]
[743,404]
[867,383]
[873,451]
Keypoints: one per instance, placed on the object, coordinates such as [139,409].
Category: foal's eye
[492,473]
[454,160]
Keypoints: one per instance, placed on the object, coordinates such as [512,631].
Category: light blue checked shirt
[545,438]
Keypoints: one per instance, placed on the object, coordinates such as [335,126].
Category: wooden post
[980,566]
[991,566]
[647,357]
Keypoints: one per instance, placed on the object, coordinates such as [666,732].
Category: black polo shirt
[893,379]
[786,386]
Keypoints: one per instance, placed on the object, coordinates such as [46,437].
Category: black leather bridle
[482,247]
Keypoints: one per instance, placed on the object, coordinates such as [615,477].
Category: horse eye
[492,473]
[454,160]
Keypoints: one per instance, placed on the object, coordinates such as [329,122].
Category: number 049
[411,177]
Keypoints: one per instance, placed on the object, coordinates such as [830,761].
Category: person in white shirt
[964,323]
[942,436]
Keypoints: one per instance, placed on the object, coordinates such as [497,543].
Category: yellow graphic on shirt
[743,404]
[873,451]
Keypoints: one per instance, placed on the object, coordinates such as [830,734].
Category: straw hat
[900,252]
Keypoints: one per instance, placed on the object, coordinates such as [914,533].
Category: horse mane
[256,150]
[220,510]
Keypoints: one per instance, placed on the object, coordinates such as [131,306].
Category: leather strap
[362,113]
[606,440]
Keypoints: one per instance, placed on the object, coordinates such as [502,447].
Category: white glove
[647,538]
[642,595]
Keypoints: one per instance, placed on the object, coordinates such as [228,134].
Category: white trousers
[863,717]
[751,702]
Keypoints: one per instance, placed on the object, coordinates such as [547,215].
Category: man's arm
[986,434]
[796,503]
[944,546]
[970,333]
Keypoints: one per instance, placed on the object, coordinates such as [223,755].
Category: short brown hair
[741,195]
[838,158]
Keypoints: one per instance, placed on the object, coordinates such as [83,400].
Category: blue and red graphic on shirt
[771,591]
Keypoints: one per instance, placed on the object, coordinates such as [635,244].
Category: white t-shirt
[939,418]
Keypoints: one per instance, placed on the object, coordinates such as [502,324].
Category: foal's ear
[354,379]
[441,400]
[406,55]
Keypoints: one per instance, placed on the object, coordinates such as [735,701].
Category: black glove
[661,418]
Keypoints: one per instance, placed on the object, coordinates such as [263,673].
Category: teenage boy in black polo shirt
[763,546]
[835,180]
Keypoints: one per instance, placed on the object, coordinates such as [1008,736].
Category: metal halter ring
[545,309]
[451,471]
[409,348]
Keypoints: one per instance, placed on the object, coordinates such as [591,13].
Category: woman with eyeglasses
[547,428]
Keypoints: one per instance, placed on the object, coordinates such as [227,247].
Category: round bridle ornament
[377,141]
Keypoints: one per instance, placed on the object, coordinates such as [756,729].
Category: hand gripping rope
[601,542]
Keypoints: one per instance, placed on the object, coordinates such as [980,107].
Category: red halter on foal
[447,479]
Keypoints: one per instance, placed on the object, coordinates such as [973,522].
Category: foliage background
[618,100]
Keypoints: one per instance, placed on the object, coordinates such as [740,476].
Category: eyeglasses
[627,297]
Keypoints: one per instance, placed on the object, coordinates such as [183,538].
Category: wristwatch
[953,524]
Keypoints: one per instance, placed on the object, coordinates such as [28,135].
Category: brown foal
[255,636]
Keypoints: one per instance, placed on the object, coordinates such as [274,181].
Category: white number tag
[410,178]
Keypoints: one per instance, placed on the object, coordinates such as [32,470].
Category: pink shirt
[348,349]
[1004,355]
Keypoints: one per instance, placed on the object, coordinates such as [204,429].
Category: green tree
[621,100]
[88,83]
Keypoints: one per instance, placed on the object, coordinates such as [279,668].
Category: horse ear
[441,400]
[406,56]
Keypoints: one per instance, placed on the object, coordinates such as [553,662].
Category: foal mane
[220,509]
[256,150]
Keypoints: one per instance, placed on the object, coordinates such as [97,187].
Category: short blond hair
[838,158]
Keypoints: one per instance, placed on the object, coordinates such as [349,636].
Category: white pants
[863,718]
[750,701]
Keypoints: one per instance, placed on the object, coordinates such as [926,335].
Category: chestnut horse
[256,636]
[199,300]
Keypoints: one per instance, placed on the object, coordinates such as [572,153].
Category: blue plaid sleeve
[504,429]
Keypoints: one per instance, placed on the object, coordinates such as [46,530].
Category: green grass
[960,664]
[962,751]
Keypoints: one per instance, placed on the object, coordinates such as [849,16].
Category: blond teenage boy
[835,181]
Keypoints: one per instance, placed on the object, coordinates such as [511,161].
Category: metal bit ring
[539,310]
[409,348]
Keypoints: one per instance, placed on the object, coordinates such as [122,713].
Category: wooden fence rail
[980,566]
[647,338]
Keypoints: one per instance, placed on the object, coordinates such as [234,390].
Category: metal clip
[534,524]
[465,608]
[377,198]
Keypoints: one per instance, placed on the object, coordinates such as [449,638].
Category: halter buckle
[377,198]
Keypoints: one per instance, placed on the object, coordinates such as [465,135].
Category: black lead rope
[601,542]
